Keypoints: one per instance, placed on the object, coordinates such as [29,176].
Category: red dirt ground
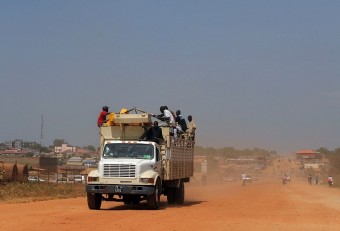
[262,205]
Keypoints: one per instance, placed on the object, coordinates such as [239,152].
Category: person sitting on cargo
[154,133]
[181,121]
[102,116]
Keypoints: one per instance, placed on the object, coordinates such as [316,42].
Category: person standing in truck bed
[166,115]
[181,121]
[102,116]
[191,128]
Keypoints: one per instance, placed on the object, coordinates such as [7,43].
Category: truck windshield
[133,151]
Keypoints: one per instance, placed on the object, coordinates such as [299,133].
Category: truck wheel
[154,199]
[171,195]
[127,200]
[179,193]
[135,200]
[94,200]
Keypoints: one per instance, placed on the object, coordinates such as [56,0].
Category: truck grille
[119,170]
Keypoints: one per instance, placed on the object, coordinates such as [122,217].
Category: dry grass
[25,192]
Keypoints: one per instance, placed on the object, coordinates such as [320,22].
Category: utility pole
[42,133]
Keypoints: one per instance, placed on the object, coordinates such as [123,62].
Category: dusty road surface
[263,205]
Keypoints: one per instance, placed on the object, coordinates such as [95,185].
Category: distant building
[75,161]
[15,152]
[18,144]
[311,166]
[90,162]
[64,148]
[308,154]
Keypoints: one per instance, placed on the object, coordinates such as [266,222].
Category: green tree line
[333,157]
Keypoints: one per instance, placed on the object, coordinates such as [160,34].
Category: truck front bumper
[118,189]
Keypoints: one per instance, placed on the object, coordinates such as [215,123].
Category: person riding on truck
[166,115]
[191,128]
[181,121]
[102,116]
[154,133]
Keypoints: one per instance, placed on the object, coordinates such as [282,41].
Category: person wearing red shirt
[102,115]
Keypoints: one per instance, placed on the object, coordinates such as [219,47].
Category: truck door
[158,164]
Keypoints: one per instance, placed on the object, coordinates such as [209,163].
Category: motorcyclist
[243,178]
[284,179]
[330,181]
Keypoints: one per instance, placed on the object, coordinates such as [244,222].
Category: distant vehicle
[249,179]
[35,179]
[79,179]
[287,176]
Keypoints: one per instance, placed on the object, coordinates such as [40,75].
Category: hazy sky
[260,74]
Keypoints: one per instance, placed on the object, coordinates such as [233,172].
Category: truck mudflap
[121,189]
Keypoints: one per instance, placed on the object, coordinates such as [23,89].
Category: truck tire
[127,199]
[171,196]
[179,193]
[94,200]
[135,200]
[154,199]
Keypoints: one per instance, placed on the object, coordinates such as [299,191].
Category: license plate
[118,189]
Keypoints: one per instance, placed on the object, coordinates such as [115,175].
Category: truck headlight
[92,179]
[147,180]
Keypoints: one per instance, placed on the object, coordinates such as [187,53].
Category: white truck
[131,170]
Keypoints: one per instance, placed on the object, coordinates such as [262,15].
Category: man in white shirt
[243,178]
[166,115]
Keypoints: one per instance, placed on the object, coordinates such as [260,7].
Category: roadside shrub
[21,192]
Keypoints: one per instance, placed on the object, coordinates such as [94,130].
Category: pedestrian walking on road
[204,179]
[310,179]
[316,179]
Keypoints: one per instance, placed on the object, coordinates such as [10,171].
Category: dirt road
[263,205]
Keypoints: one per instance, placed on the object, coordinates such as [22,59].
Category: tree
[3,146]
[323,150]
[36,147]
[44,150]
[59,142]
[90,147]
